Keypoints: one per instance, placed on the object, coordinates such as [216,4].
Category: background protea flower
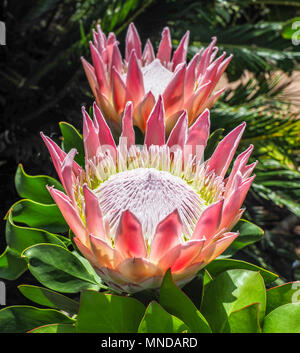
[137,211]
[141,77]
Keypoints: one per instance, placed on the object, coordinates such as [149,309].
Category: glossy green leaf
[245,320]
[249,233]
[291,29]
[231,291]
[158,320]
[284,319]
[12,266]
[107,313]
[49,298]
[38,215]
[19,238]
[220,265]
[283,294]
[72,139]
[54,328]
[34,187]
[87,265]
[178,304]
[17,319]
[58,269]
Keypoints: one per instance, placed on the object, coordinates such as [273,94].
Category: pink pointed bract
[137,211]
[141,77]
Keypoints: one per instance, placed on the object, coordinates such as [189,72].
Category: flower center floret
[151,195]
[151,183]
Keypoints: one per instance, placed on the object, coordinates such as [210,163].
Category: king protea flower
[142,76]
[137,211]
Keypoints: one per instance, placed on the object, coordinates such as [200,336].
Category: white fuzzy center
[156,78]
[151,195]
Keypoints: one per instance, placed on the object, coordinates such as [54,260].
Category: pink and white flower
[141,77]
[137,211]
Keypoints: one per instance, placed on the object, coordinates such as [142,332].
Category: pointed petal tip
[83,60]
[242,126]
[133,42]
[155,125]
[238,130]
[73,151]
[249,180]
[205,113]
[128,105]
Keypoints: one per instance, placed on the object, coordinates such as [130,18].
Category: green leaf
[220,265]
[72,139]
[87,265]
[49,298]
[280,199]
[178,304]
[107,313]
[249,234]
[19,238]
[284,319]
[18,319]
[257,47]
[231,291]
[54,328]
[158,320]
[291,28]
[58,269]
[12,266]
[283,294]
[245,320]
[34,187]
[38,215]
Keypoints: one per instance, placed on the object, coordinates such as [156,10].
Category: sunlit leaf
[178,304]
[245,320]
[158,320]
[229,292]
[283,294]
[284,319]
[100,313]
[221,265]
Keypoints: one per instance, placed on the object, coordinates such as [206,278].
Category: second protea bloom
[143,75]
[137,211]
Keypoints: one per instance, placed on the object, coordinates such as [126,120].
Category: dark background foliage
[43,83]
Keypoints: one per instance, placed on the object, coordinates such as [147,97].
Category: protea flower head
[142,76]
[137,211]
